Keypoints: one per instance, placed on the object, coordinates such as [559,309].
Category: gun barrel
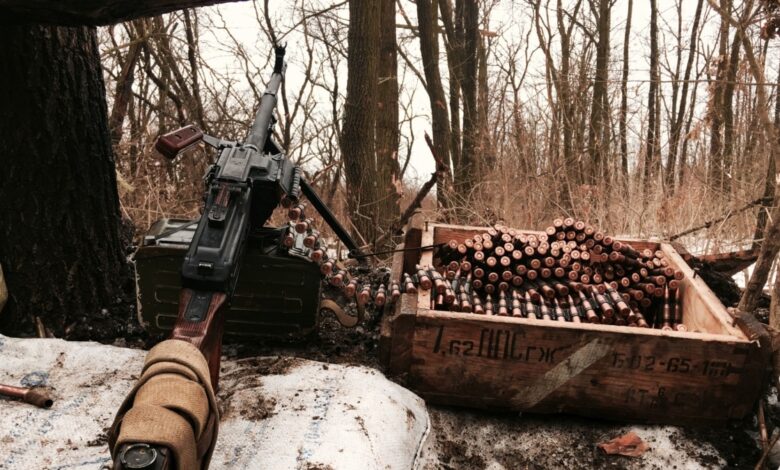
[27,395]
[262,125]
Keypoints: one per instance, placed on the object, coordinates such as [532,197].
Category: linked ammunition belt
[571,272]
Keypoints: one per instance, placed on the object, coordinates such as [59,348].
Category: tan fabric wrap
[169,368]
[174,392]
[156,425]
[171,405]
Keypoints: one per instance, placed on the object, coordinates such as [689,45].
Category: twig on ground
[762,426]
[40,330]
[760,463]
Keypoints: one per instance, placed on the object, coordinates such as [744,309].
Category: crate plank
[705,311]
[493,362]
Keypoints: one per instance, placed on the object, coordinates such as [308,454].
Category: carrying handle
[172,143]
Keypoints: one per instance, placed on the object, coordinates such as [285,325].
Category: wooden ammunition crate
[712,373]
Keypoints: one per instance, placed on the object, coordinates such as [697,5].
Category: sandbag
[275,412]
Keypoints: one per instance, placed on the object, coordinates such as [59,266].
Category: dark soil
[479,440]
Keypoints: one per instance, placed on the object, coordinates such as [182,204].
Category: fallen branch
[710,223]
[766,452]
[730,263]
[763,435]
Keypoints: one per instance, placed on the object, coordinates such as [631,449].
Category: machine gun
[248,181]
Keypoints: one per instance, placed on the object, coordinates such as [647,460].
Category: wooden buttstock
[170,144]
[200,322]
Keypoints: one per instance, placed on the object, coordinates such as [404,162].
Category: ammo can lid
[170,232]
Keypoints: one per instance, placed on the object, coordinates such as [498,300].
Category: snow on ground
[276,412]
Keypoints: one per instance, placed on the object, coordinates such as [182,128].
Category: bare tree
[60,244]
[429,49]
[624,94]
[716,170]
[357,134]
[651,145]
[598,131]
[387,124]
[676,124]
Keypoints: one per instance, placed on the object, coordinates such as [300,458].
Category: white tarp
[277,413]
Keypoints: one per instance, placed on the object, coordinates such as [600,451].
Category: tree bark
[357,137]
[677,123]
[59,210]
[774,306]
[651,146]
[124,89]
[387,132]
[566,105]
[624,95]
[429,50]
[770,183]
[716,109]
[771,244]
[464,176]
[453,28]
[766,257]
[728,106]
[487,156]
[598,132]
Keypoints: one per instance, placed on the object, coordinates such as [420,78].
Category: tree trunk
[357,137]
[468,87]
[59,210]
[769,183]
[566,104]
[677,123]
[486,152]
[774,306]
[453,28]
[387,132]
[728,107]
[766,257]
[598,132]
[652,138]
[716,109]
[429,50]
[771,244]
[124,88]
[624,96]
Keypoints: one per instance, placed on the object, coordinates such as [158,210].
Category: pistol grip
[170,144]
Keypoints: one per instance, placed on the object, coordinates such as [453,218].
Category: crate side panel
[396,335]
[702,310]
[458,359]
[412,257]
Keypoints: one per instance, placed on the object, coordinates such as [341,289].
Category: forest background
[643,118]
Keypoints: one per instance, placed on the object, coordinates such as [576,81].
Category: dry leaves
[629,445]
